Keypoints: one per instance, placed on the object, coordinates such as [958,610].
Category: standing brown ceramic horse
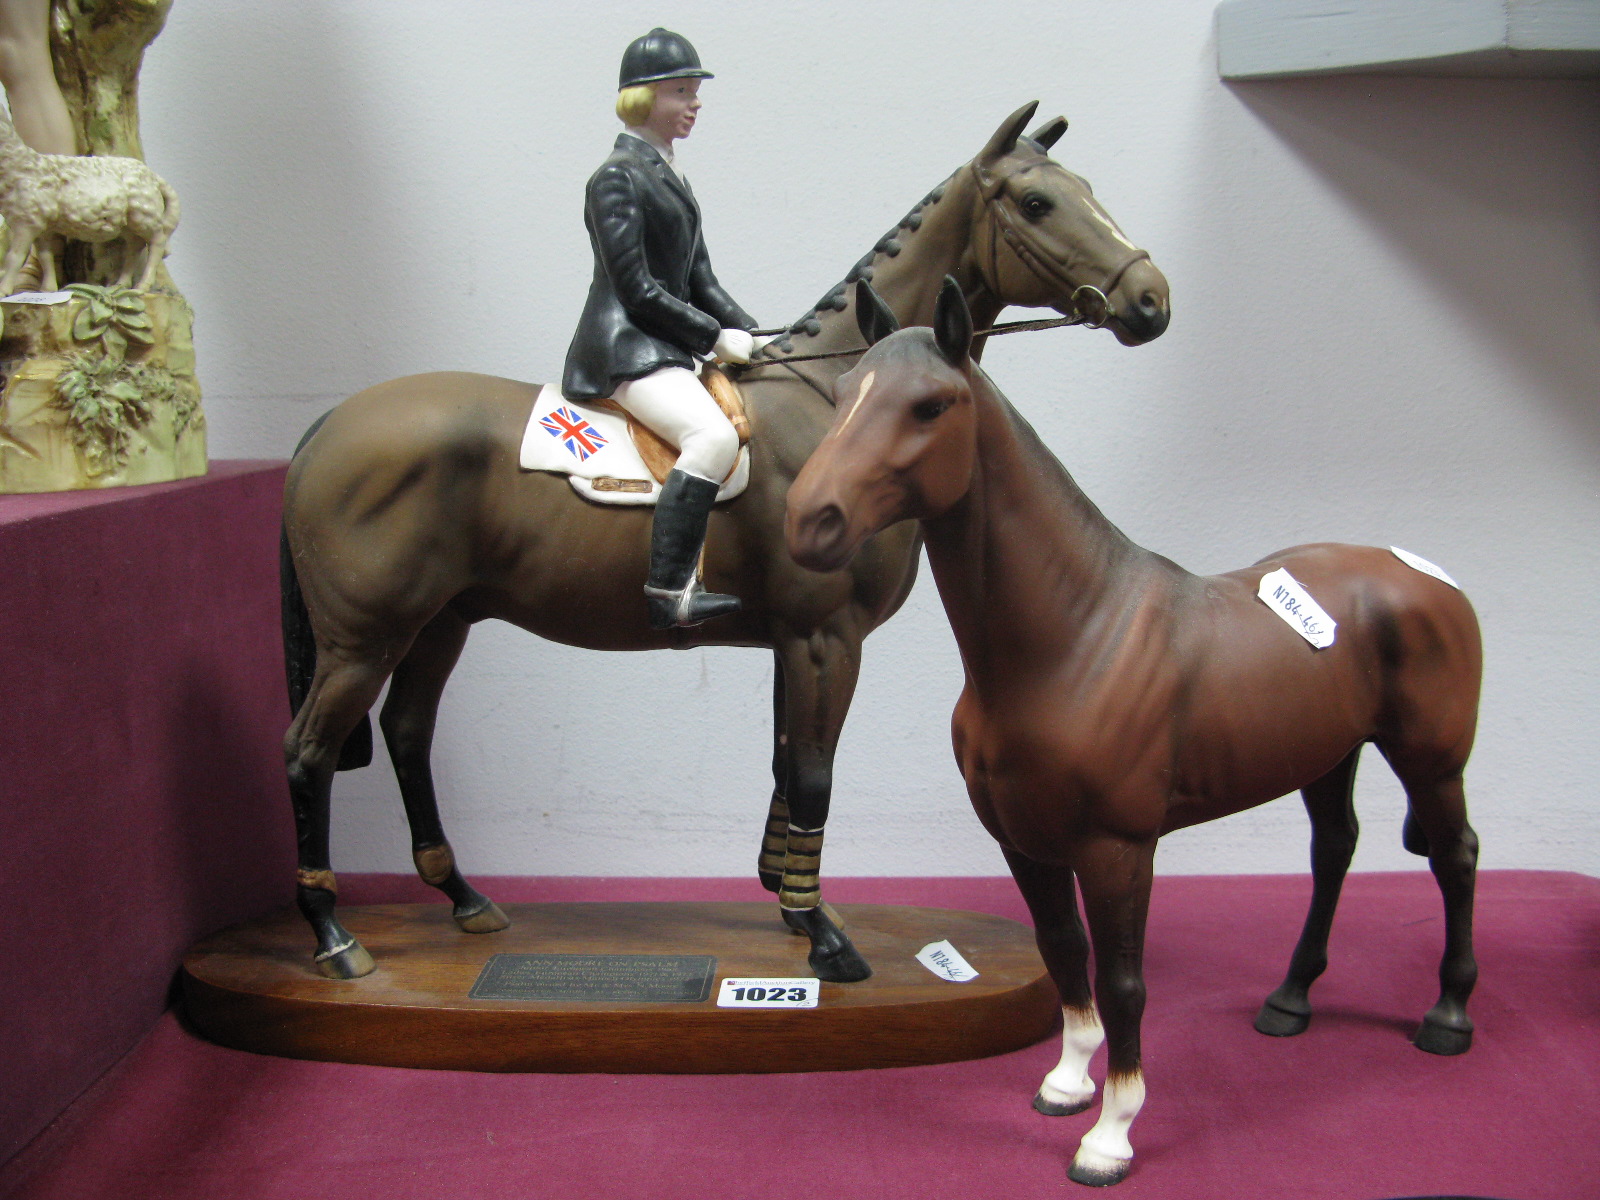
[407,519]
[1112,697]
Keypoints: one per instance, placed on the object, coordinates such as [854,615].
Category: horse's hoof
[841,965]
[1064,1108]
[1098,1170]
[350,961]
[1279,1022]
[1442,1039]
[826,909]
[832,956]
[488,919]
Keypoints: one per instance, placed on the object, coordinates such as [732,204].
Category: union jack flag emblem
[579,437]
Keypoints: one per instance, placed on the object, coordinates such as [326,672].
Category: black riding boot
[679,531]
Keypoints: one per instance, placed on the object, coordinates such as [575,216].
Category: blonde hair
[634,103]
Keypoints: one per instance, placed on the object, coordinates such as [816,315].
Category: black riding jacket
[654,300]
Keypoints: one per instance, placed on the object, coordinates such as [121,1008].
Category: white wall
[1385,317]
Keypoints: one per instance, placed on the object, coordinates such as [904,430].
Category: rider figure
[653,307]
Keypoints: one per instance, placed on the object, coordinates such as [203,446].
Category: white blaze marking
[1119,234]
[1069,1082]
[861,394]
[1110,225]
[1106,1146]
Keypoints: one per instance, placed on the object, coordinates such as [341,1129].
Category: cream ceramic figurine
[97,387]
[45,198]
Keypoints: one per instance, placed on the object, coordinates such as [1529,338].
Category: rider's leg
[675,405]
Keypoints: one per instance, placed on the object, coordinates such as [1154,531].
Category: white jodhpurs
[675,404]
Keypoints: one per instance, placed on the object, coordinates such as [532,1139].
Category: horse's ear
[1049,133]
[952,324]
[1005,138]
[875,318]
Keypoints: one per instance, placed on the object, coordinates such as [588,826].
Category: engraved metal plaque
[624,978]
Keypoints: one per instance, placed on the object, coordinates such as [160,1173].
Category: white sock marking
[1106,1146]
[1081,1035]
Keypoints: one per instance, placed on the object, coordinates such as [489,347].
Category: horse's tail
[300,644]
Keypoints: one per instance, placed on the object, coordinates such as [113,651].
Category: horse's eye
[929,410]
[1035,207]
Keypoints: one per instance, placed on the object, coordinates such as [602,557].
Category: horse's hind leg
[1440,807]
[819,677]
[341,693]
[1330,805]
[1052,899]
[407,721]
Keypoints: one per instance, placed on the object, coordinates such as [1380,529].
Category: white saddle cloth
[593,449]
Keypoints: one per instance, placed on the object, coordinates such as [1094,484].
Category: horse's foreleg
[1052,900]
[407,721]
[1115,876]
[775,838]
[1441,810]
[819,677]
[1330,804]
[341,692]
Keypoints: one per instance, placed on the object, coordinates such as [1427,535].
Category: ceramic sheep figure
[46,198]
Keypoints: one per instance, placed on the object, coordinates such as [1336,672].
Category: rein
[993,331]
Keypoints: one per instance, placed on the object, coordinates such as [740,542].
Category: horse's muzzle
[1142,304]
[1147,318]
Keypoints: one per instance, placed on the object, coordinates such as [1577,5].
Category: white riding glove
[734,346]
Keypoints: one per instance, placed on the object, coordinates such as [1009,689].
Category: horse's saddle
[611,458]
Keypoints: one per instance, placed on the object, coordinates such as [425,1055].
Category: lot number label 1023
[768,993]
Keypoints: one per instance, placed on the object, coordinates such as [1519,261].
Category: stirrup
[691,605]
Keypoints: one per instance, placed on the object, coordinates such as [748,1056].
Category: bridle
[1091,303]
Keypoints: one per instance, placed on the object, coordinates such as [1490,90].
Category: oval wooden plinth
[253,987]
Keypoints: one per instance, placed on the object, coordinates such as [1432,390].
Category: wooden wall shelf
[1285,39]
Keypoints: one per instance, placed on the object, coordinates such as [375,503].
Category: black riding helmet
[659,54]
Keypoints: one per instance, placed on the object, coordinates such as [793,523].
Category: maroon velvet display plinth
[142,676]
[1348,1111]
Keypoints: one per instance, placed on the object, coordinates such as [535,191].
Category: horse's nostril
[1150,303]
[828,524]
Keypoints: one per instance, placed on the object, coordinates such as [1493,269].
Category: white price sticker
[945,961]
[768,993]
[1423,565]
[37,298]
[1284,596]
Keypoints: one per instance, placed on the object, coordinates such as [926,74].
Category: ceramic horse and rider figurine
[1112,697]
[408,518]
